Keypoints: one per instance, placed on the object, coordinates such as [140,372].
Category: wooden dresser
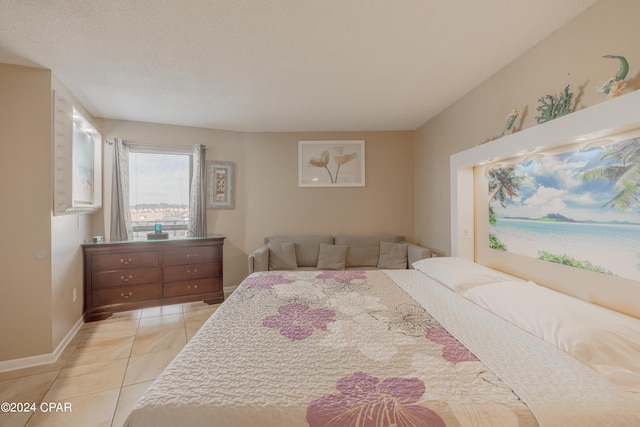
[136,274]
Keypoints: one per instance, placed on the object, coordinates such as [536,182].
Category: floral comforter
[338,348]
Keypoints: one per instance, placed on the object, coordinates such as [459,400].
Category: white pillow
[606,341]
[460,274]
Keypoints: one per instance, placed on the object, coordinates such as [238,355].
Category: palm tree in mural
[503,185]
[626,173]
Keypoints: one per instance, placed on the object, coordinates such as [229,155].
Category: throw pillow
[393,255]
[282,256]
[364,251]
[332,257]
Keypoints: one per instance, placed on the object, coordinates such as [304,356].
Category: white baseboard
[229,289]
[42,359]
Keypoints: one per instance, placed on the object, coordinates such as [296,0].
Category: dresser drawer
[137,274]
[190,271]
[124,294]
[103,262]
[191,287]
[129,276]
[193,255]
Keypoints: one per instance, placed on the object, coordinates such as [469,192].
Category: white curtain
[121,228]
[198,196]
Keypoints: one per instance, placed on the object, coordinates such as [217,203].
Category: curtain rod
[147,145]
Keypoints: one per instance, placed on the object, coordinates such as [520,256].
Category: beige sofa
[327,252]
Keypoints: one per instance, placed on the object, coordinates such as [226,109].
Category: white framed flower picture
[331,163]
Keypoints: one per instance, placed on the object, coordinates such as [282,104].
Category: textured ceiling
[275,65]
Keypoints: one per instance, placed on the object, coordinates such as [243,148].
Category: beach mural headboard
[558,203]
[578,206]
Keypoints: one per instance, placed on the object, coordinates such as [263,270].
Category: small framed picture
[220,185]
[331,163]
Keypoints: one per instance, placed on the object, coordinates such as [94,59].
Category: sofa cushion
[307,247]
[364,250]
[282,256]
[416,253]
[393,255]
[332,257]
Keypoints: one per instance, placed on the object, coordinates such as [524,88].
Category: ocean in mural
[579,208]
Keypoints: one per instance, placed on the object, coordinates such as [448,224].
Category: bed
[374,348]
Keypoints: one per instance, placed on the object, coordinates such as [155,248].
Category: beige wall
[276,205]
[267,197]
[25,179]
[36,293]
[221,145]
[68,233]
[407,189]
[571,55]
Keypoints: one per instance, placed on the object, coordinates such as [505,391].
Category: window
[159,185]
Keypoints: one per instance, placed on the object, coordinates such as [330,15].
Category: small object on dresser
[158,228]
[157,236]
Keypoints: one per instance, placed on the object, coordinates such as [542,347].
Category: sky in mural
[582,204]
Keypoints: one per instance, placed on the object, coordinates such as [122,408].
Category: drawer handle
[189,271]
[126,279]
[194,287]
[192,255]
[125,261]
[125,296]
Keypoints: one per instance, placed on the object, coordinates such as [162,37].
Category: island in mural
[579,208]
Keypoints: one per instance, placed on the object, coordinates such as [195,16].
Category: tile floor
[104,370]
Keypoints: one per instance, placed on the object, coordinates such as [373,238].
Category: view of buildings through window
[159,192]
